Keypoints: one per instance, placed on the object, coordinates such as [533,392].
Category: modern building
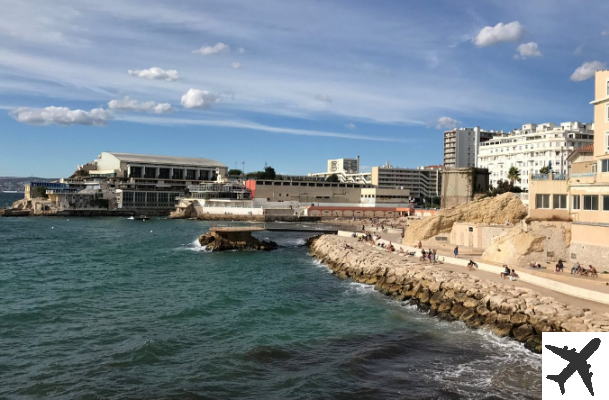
[582,196]
[422,182]
[126,181]
[305,191]
[461,146]
[531,148]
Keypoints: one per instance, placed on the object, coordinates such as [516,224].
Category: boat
[141,218]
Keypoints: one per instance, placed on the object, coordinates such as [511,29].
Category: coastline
[517,312]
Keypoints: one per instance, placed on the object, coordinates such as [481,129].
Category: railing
[560,177]
[584,175]
[540,177]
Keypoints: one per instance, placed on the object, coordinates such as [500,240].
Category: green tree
[544,170]
[39,191]
[268,173]
[235,171]
[514,175]
[332,178]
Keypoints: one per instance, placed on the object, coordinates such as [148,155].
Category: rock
[470,303]
[445,306]
[222,241]
[523,332]
[518,319]
[487,210]
[502,329]
[545,310]
[468,314]
[423,296]
[573,327]
[457,310]
[534,343]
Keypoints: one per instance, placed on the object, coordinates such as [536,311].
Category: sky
[288,84]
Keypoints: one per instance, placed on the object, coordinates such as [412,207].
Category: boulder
[223,241]
[523,332]
[502,329]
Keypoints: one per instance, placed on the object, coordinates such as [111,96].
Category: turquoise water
[115,308]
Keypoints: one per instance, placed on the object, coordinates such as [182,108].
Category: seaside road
[570,300]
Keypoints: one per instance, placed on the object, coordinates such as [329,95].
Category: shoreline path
[445,250]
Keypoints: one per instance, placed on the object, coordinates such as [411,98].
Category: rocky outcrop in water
[493,210]
[222,241]
[507,310]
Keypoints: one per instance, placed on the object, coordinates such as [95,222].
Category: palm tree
[514,175]
[544,170]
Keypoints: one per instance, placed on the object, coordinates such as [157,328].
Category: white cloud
[241,50]
[604,33]
[446,123]
[129,104]
[351,125]
[587,70]
[215,49]
[196,98]
[323,97]
[169,75]
[578,50]
[490,35]
[526,50]
[236,65]
[61,116]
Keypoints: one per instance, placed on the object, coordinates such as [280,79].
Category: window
[607,142]
[542,201]
[605,165]
[605,203]
[560,201]
[575,202]
[590,202]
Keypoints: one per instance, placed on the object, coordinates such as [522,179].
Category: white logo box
[591,355]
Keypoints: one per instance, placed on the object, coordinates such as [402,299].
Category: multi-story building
[531,148]
[461,146]
[581,197]
[422,182]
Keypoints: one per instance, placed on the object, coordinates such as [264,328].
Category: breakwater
[507,310]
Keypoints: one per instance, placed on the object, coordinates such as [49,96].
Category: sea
[111,308]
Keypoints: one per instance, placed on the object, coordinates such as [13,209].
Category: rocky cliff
[507,310]
[222,241]
[494,210]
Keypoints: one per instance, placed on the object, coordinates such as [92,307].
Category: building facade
[582,196]
[423,183]
[461,146]
[531,148]
[462,185]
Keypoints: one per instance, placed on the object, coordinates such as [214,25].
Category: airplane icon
[577,362]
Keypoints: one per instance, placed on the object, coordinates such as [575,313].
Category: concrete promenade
[584,292]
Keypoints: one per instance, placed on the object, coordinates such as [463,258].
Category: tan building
[583,197]
[305,191]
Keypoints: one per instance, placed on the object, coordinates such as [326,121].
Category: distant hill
[18,183]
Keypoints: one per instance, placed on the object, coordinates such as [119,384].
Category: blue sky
[290,83]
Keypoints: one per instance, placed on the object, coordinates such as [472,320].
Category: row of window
[559,201]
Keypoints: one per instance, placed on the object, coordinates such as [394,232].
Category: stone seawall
[507,310]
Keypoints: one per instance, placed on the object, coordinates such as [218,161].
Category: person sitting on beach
[576,270]
[401,251]
[591,271]
[513,275]
[471,265]
[534,264]
[506,272]
[559,267]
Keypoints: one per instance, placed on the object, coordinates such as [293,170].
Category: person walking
[456,251]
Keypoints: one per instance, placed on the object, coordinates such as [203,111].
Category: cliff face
[508,310]
[520,247]
[494,210]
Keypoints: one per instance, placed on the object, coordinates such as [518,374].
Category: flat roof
[169,160]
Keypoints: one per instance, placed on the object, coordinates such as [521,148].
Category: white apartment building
[531,148]
[461,146]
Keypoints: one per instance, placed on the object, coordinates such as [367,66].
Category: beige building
[422,182]
[582,197]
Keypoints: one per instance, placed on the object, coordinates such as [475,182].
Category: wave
[193,246]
